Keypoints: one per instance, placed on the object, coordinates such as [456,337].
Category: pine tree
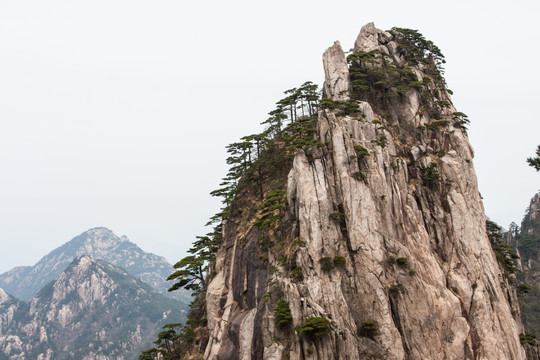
[250,159]
[535,161]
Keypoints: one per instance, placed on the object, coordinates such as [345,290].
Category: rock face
[382,252]
[100,243]
[94,310]
[528,245]
[336,71]
[371,38]
[526,242]
[8,308]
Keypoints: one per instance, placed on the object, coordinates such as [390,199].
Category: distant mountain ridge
[526,242]
[93,310]
[99,243]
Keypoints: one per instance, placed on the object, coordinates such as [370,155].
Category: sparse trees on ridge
[416,49]
[291,125]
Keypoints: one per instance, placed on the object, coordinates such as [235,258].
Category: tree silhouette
[535,161]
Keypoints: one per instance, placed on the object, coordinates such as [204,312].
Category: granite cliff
[369,241]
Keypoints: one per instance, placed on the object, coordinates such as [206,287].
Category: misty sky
[117,113]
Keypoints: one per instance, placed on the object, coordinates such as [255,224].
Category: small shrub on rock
[313,327]
[339,260]
[282,314]
[402,261]
[368,329]
[326,263]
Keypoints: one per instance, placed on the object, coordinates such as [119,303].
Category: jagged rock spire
[336,73]
[368,38]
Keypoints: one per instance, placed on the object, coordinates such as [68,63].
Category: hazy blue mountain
[100,243]
[93,310]
[9,308]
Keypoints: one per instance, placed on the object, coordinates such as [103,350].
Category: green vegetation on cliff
[258,164]
[266,236]
[504,252]
[526,240]
[377,78]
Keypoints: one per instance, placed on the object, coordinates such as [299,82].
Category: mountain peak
[99,229]
[102,232]
[368,38]
[98,243]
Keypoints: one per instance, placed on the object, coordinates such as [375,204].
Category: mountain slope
[94,310]
[100,243]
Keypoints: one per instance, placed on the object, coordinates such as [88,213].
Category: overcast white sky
[116,113]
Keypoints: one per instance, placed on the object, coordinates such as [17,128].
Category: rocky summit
[99,243]
[359,231]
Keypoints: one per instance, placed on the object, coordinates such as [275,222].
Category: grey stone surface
[336,83]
